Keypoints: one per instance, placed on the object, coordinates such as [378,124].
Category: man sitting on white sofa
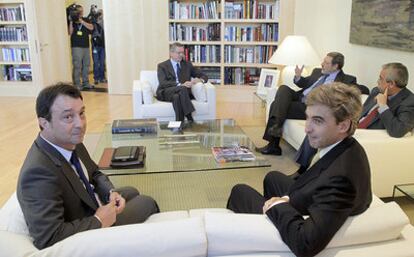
[60,188]
[336,186]
[176,77]
[390,106]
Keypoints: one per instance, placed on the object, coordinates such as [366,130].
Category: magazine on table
[232,154]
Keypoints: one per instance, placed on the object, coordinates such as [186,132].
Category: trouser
[137,208]
[98,56]
[245,199]
[80,63]
[181,100]
[287,105]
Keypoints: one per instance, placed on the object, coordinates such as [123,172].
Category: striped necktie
[367,120]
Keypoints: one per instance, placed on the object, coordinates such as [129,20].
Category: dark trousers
[137,208]
[287,105]
[98,56]
[180,97]
[245,199]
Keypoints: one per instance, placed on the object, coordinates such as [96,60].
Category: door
[52,42]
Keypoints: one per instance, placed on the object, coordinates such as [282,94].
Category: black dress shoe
[271,149]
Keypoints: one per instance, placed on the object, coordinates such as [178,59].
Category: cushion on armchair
[147,94]
[256,233]
[11,217]
[199,92]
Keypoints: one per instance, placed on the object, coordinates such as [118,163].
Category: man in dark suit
[60,189]
[335,187]
[390,106]
[289,104]
[176,77]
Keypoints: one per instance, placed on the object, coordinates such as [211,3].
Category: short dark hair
[48,95]
[396,72]
[337,58]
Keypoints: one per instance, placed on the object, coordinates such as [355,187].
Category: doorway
[97,80]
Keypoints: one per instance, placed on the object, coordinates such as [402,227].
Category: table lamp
[294,50]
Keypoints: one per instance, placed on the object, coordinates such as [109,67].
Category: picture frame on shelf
[267,81]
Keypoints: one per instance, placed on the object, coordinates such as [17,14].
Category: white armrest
[211,98]
[137,100]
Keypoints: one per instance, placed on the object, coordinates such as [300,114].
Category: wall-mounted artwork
[383,23]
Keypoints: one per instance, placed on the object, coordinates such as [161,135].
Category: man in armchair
[176,77]
[289,104]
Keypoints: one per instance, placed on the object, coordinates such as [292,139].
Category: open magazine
[232,154]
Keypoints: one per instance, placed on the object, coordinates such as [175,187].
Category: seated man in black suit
[289,104]
[335,187]
[176,77]
[60,188]
[390,106]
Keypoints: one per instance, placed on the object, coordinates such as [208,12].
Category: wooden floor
[18,127]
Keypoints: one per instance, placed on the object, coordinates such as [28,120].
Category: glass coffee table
[189,151]
[180,172]
[406,189]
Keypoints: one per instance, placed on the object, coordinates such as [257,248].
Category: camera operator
[98,44]
[79,30]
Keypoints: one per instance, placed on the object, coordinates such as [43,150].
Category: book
[134,126]
[232,153]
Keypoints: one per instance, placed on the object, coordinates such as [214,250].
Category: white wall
[326,23]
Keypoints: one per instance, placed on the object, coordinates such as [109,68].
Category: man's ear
[344,126]
[43,123]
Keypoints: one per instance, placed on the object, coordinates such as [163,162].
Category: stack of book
[232,153]
[134,126]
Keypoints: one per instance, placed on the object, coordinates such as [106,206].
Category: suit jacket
[334,188]
[304,83]
[399,118]
[167,78]
[53,199]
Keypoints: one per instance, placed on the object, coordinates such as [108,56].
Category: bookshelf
[230,40]
[33,52]
[15,61]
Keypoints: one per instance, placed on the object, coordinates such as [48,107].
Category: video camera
[94,13]
[73,13]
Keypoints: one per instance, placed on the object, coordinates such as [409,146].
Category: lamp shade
[295,50]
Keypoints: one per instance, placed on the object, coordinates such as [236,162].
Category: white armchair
[145,105]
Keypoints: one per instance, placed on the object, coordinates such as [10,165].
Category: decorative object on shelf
[294,50]
[268,80]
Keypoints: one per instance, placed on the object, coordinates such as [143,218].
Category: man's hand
[298,71]
[107,214]
[188,84]
[119,201]
[382,98]
[196,80]
[268,204]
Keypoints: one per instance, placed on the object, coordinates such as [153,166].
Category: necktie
[75,161]
[178,71]
[367,120]
[315,158]
[319,82]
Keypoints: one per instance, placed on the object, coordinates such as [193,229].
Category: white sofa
[389,157]
[212,232]
[145,105]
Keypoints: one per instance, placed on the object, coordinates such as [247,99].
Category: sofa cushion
[12,218]
[147,94]
[180,238]
[167,216]
[165,109]
[199,92]
[256,233]
[151,77]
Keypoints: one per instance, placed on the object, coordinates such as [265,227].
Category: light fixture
[294,50]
